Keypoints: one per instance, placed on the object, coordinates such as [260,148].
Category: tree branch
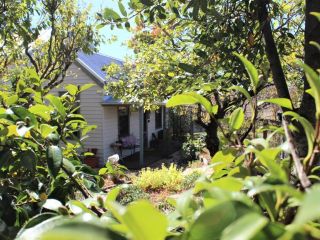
[305,182]
[271,51]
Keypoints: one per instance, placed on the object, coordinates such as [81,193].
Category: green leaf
[308,129]
[68,165]
[226,183]
[11,100]
[25,116]
[145,222]
[187,67]
[268,202]
[214,109]
[282,102]
[188,99]
[242,90]
[309,209]
[122,9]
[86,86]
[251,70]
[315,44]
[36,231]
[316,14]
[283,188]
[52,204]
[54,159]
[77,207]
[113,194]
[46,129]
[110,14]
[147,2]
[57,104]
[42,111]
[72,89]
[184,204]
[236,119]
[245,228]
[268,158]
[127,25]
[211,223]
[80,230]
[39,219]
[314,82]
[28,159]
[223,156]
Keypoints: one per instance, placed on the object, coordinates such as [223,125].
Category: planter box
[91,161]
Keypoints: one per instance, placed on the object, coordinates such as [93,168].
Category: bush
[163,178]
[193,145]
[130,193]
[190,179]
[114,171]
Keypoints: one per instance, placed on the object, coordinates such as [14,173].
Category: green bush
[130,193]
[169,178]
[190,179]
[193,145]
[114,171]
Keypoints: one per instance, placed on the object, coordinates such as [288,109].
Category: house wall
[90,106]
[110,130]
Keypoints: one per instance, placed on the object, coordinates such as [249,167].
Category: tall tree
[46,35]
[210,32]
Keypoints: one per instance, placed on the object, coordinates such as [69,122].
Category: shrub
[169,178]
[190,179]
[130,193]
[193,145]
[114,171]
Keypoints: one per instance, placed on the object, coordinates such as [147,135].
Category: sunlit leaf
[236,119]
[282,102]
[145,222]
[252,71]
[245,228]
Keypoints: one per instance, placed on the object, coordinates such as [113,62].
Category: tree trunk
[312,56]
[271,51]
[212,139]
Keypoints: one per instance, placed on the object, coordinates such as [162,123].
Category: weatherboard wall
[90,106]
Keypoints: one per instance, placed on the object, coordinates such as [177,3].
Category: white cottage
[114,120]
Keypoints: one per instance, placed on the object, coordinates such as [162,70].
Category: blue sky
[116,49]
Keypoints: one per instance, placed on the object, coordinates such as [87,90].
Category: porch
[151,156]
[128,131]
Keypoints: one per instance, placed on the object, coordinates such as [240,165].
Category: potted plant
[92,159]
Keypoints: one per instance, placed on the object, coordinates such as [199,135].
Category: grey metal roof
[95,62]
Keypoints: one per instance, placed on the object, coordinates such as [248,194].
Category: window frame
[128,121]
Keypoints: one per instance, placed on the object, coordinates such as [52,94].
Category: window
[123,121]
[158,117]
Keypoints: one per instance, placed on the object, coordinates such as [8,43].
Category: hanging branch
[305,182]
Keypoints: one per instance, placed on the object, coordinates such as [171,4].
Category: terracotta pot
[91,161]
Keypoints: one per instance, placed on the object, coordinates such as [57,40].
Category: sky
[116,49]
